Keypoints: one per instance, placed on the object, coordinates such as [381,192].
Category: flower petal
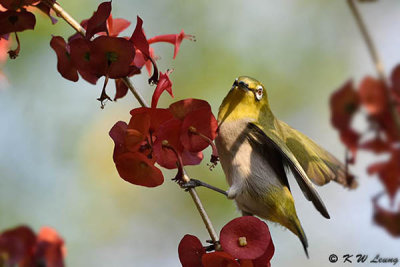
[255,232]
[190,251]
[64,64]
[203,122]
[97,23]
[219,259]
[17,244]
[136,168]
[13,21]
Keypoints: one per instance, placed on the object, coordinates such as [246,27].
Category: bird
[257,150]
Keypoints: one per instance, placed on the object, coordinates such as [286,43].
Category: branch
[376,60]
[74,24]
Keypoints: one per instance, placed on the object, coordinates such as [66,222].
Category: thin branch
[74,24]
[376,60]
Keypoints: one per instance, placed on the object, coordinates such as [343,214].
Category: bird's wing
[320,165]
[260,136]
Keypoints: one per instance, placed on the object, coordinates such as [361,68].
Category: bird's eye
[259,93]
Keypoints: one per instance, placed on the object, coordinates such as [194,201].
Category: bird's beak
[242,85]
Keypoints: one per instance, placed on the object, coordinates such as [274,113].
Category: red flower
[108,56]
[120,89]
[20,246]
[388,172]
[64,64]
[13,21]
[133,151]
[139,40]
[136,168]
[16,245]
[175,39]
[164,84]
[373,96]
[219,259]
[389,220]
[190,251]
[168,134]
[344,103]
[198,126]
[50,249]
[245,238]
[376,145]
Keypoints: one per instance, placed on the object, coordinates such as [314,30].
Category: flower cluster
[245,241]
[172,137]
[21,247]
[101,52]
[15,17]
[378,102]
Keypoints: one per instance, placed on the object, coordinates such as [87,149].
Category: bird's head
[247,98]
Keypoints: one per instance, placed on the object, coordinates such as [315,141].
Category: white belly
[247,172]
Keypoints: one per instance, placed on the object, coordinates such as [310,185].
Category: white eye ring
[259,93]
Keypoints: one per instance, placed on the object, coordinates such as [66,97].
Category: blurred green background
[56,163]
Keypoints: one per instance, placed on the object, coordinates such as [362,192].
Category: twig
[376,60]
[74,24]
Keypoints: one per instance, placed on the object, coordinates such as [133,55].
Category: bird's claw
[189,185]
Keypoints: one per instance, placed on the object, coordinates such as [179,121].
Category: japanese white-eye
[255,148]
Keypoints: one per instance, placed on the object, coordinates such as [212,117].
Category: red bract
[139,40]
[168,134]
[50,249]
[113,54]
[97,23]
[64,64]
[389,220]
[157,116]
[344,103]
[13,21]
[164,84]
[133,152]
[175,39]
[198,126]
[245,238]
[373,95]
[388,172]
[190,251]
[376,145]
[16,245]
[219,259]
[137,169]
[120,89]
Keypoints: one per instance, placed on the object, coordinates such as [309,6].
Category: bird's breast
[244,168]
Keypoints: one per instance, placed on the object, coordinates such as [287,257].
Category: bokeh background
[56,163]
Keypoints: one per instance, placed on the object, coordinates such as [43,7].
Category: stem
[203,214]
[376,60]
[74,24]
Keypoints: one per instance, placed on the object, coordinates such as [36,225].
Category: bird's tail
[296,228]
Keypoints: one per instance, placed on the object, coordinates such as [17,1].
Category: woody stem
[376,60]
[74,24]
